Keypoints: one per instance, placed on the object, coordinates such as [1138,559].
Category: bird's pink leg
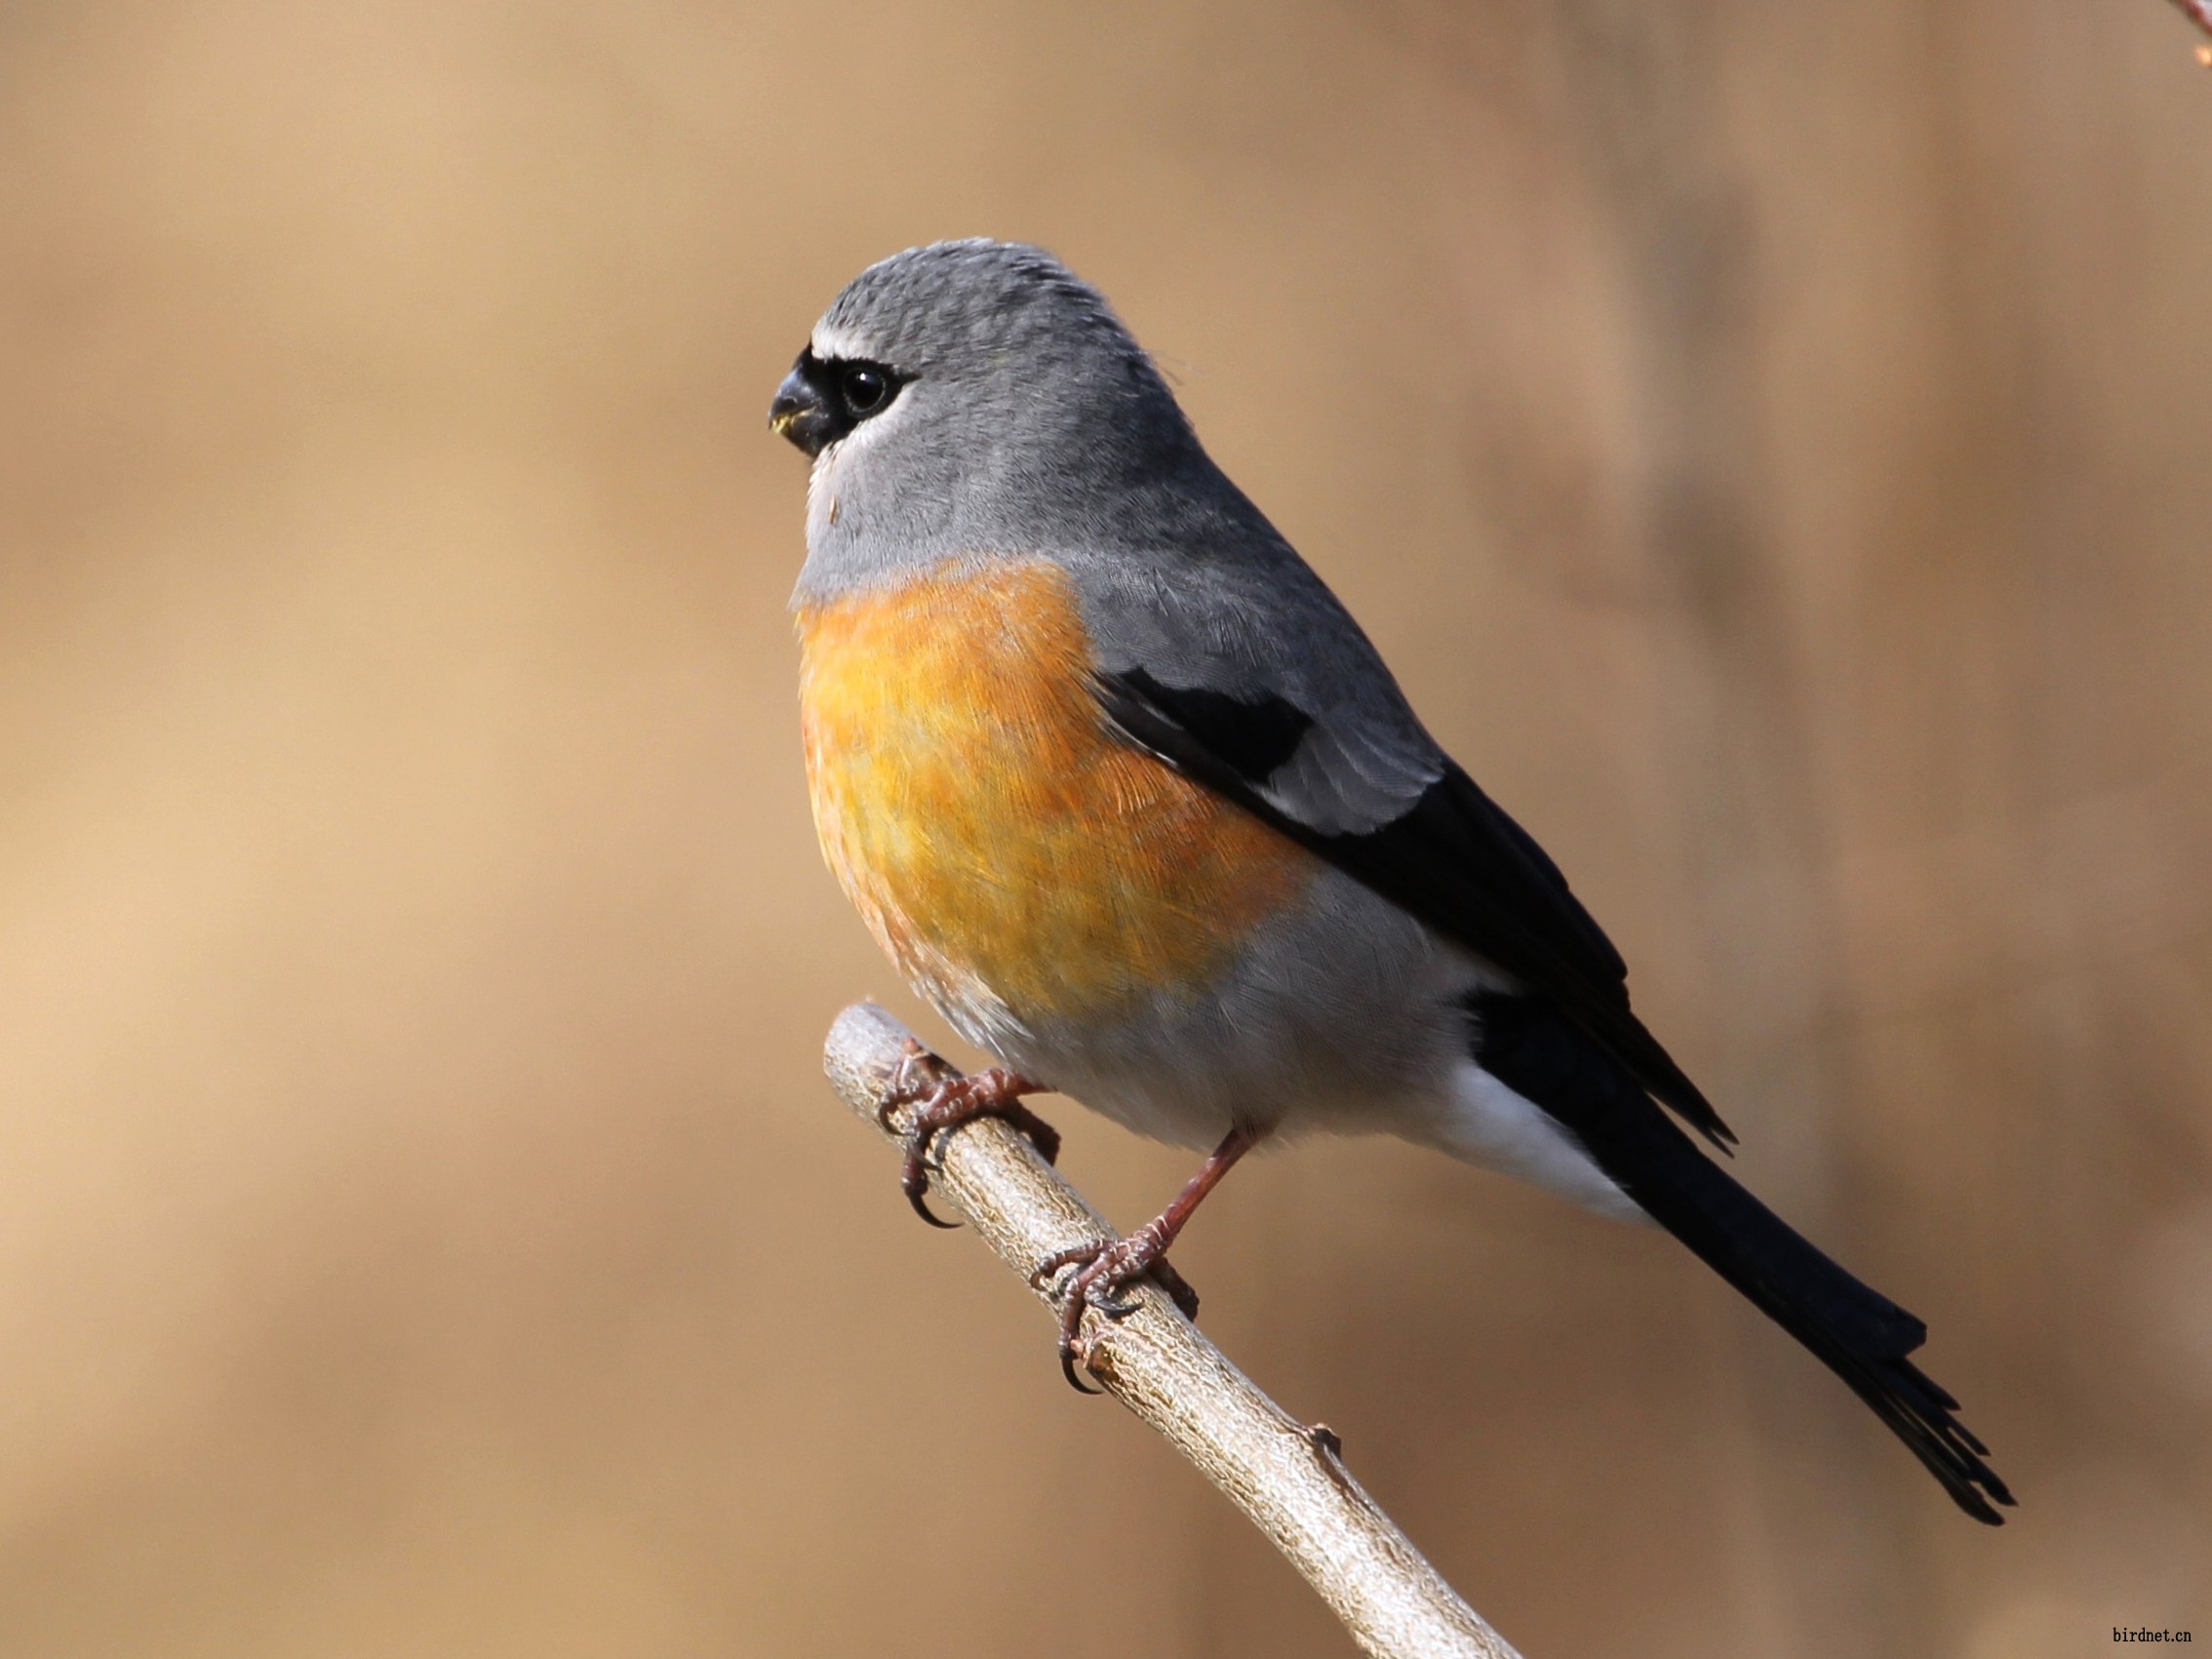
[1108,1265]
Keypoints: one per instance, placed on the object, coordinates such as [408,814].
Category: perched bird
[1127,794]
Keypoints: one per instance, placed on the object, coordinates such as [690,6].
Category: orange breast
[998,844]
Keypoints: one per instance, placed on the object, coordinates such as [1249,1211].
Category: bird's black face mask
[822,399]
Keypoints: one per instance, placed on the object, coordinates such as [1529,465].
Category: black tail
[1857,1333]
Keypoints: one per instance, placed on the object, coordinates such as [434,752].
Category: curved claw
[914,1181]
[941,1107]
[1108,1267]
[1068,1370]
[921,1208]
[1104,1269]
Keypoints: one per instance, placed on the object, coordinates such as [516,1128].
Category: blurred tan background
[1770,440]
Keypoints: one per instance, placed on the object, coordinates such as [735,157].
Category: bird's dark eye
[866,387]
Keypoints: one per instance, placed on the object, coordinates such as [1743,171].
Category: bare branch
[1289,1480]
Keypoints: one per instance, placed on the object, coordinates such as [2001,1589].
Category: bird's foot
[1104,1268]
[943,1104]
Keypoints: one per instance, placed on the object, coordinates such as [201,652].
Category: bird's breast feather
[1000,841]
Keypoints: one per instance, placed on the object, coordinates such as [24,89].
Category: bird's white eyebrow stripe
[828,341]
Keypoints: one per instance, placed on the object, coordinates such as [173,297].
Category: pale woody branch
[1288,1479]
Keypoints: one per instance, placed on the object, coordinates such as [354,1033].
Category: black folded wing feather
[1565,1039]
[1454,860]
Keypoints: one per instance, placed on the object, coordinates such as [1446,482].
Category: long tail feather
[1852,1328]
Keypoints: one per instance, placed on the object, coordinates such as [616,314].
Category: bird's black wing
[1449,855]
[1422,835]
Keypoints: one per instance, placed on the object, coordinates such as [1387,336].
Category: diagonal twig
[1289,1480]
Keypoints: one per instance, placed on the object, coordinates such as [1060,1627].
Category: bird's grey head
[972,397]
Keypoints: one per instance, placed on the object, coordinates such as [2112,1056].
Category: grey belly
[1343,1014]
[1346,1016]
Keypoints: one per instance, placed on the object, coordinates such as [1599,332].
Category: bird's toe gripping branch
[941,1104]
[1104,1268]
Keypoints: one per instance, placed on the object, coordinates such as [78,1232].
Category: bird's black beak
[806,409]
